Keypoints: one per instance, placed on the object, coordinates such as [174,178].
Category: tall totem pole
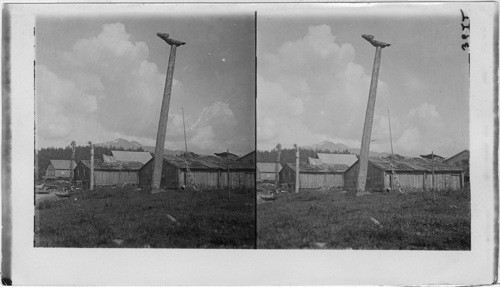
[162,126]
[277,167]
[370,109]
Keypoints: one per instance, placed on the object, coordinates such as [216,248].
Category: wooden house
[408,174]
[108,173]
[314,176]
[209,172]
[461,160]
[59,168]
[266,171]
[249,158]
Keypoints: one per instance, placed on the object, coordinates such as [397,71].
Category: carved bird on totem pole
[375,43]
[170,41]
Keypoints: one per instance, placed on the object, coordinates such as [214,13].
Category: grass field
[331,219]
[127,217]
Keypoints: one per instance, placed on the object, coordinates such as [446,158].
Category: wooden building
[209,172]
[314,176]
[266,171]
[461,160]
[249,159]
[408,174]
[58,168]
[108,173]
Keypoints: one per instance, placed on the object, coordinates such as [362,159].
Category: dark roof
[62,163]
[452,157]
[322,168]
[114,166]
[206,162]
[248,155]
[411,164]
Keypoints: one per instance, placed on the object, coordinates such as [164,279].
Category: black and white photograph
[253,143]
[363,131]
[145,131]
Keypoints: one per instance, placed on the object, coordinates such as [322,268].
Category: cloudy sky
[101,79]
[314,75]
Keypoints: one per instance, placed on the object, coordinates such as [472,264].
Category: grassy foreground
[331,219]
[126,217]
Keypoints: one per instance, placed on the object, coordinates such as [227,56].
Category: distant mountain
[339,147]
[133,145]
[121,143]
[327,145]
[165,151]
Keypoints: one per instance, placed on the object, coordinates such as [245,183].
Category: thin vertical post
[392,151]
[186,175]
[228,181]
[91,166]
[432,167]
[390,130]
[71,166]
[297,169]
[184,125]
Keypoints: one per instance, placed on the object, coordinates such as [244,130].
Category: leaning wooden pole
[370,109]
[297,169]
[390,131]
[162,125]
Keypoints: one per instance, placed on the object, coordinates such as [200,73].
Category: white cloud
[311,89]
[110,90]
[409,141]
[425,112]
[214,129]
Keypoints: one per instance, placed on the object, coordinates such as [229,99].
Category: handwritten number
[464,36]
[463,16]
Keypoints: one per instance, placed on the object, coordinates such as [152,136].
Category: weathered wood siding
[82,173]
[286,175]
[444,181]
[108,177]
[375,178]
[175,178]
[51,172]
[409,181]
[311,180]
[379,180]
[375,181]
[237,179]
[204,179]
[350,177]
[319,180]
[170,175]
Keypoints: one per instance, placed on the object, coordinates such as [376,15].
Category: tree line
[81,153]
[288,155]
